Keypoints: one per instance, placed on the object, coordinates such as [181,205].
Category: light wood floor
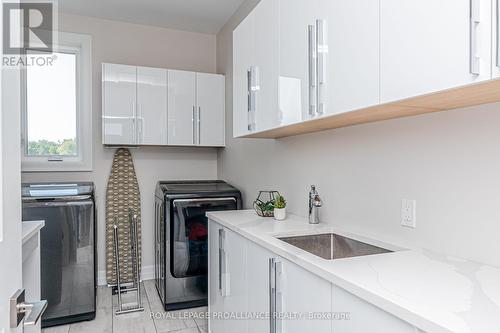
[107,322]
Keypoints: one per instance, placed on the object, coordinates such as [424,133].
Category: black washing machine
[181,238]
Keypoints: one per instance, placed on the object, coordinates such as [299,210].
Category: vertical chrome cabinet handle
[272,295]
[249,99]
[199,125]
[224,277]
[134,123]
[311,30]
[321,59]
[140,125]
[253,82]
[475,18]
[221,245]
[498,33]
[193,117]
[278,267]
[275,295]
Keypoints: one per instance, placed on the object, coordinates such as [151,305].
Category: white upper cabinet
[255,70]
[329,57]
[297,62]
[156,106]
[432,45]
[210,101]
[151,106]
[119,104]
[266,65]
[243,50]
[348,55]
[196,109]
[181,108]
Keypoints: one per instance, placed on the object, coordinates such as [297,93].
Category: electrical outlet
[409,213]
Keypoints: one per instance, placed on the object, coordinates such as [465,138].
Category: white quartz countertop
[30,228]
[433,292]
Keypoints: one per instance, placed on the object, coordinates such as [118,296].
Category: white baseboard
[147,273]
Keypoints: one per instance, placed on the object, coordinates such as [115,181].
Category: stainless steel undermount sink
[332,246]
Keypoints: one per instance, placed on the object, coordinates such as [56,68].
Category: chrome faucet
[315,203]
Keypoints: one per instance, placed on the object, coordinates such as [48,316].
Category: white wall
[449,162]
[131,44]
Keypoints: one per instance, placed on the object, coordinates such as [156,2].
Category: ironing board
[122,194]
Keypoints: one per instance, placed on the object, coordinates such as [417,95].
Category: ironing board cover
[122,193]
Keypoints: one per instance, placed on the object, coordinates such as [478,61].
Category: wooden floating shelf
[470,95]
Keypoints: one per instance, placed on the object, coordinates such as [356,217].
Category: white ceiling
[206,16]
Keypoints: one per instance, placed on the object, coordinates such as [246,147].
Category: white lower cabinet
[246,279]
[215,298]
[227,280]
[304,293]
[258,262]
[234,286]
[364,317]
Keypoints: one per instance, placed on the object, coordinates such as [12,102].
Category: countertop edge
[31,228]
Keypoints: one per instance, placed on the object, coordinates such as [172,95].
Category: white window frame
[81,45]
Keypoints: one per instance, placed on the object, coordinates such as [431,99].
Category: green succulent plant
[279,202]
[266,206]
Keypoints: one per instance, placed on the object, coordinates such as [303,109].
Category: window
[57,129]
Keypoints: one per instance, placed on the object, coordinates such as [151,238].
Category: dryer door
[189,234]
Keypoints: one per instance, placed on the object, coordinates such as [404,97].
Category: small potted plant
[279,208]
[264,204]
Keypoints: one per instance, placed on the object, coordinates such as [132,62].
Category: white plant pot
[279,214]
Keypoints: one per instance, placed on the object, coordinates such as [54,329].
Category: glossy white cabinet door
[243,54]
[351,65]
[258,285]
[119,104]
[152,106]
[181,107]
[364,317]
[210,100]
[303,293]
[294,81]
[425,46]
[237,292]
[266,35]
[215,299]
[349,70]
